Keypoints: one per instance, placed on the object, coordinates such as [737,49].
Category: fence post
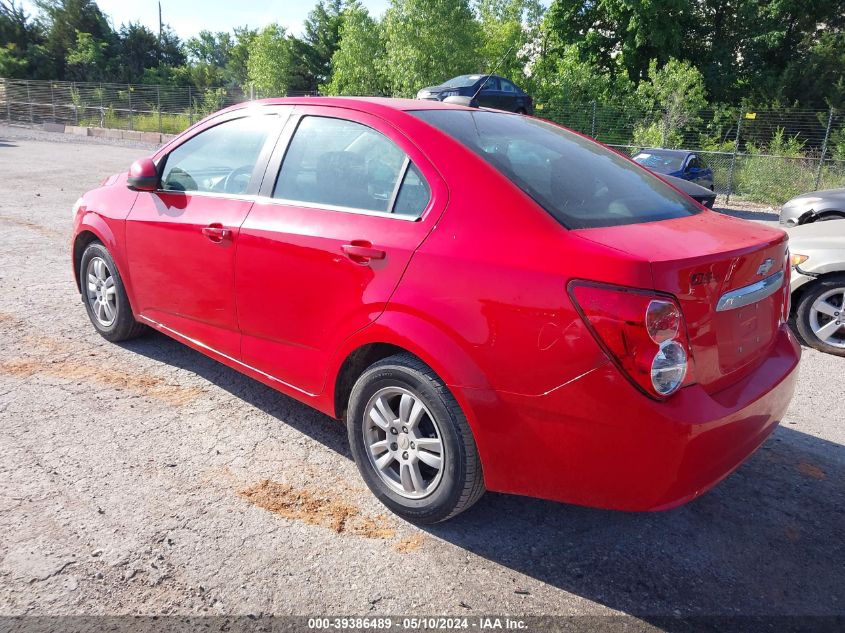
[75,107]
[8,100]
[158,103]
[53,101]
[665,128]
[129,92]
[593,127]
[733,157]
[190,107]
[251,92]
[824,150]
[29,99]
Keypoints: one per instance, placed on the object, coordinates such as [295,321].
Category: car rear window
[581,183]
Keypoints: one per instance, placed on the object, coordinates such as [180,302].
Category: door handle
[362,251]
[216,233]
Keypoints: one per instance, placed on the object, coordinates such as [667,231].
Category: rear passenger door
[344,203]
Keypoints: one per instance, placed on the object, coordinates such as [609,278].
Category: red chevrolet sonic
[490,301]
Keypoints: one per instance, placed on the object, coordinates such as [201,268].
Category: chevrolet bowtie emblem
[766,266]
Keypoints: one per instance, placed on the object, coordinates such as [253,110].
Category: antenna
[495,68]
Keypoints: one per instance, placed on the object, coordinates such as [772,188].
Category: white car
[818,284]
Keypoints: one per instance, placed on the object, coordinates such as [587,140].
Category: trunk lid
[700,259]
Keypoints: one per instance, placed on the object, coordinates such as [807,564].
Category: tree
[87,60]
[427,42]
[358,63]
[63,19]
[236,67]
[635,30]
[21,41]
[321,39]
[270,63]
[138,50]
[677,91]
[507,26]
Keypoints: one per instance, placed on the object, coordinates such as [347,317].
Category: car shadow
[765,216]
[766,541]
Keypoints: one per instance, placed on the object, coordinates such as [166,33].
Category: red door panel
[181,249]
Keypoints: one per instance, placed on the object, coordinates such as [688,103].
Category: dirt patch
[46,231]
[316,508]
[73,370]
[811,471]
[410,544]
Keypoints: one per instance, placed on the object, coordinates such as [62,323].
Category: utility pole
[160,32]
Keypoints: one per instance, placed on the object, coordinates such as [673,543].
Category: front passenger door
[181,238]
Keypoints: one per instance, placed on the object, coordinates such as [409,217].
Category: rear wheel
[411,441]
[820,317]
[104,295]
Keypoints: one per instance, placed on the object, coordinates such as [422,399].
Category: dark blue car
[490,91]
[679,163]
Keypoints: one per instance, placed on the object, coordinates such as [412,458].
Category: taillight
[643,333]
[787,293]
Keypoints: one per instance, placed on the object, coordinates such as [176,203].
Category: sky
[189,17]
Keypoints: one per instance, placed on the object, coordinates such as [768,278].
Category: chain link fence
[764,156]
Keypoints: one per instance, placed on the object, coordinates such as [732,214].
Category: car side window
[220,159]
[694,163]
[492,83]
[345,164]
[507,86]
[413,194]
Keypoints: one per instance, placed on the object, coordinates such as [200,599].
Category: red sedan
[490,301]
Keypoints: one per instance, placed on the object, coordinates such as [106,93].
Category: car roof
[666,152]
[367,104]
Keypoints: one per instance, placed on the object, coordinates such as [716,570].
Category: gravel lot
[144,478]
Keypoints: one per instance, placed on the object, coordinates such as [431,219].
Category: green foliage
[87,60]
[507,28]
[270,63]
[358,63]
[677,90]
[427,42]
[12,63]
[777,172]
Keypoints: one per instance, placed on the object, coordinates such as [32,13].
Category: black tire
[124,326]
[461,481]
[521,111]
[803,313]
[825,217]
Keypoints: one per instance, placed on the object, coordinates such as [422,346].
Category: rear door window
[339,163]
[581,183]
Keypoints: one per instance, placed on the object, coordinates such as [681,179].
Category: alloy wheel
[403,442]
[101,291]
[827,317]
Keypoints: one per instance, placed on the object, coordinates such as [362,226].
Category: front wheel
[104,295]
[411,441]
[820,316]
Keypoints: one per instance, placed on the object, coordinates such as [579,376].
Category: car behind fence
[760,155]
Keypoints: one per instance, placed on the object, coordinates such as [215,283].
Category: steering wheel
[232,179]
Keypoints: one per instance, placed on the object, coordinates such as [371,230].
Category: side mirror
[143,175]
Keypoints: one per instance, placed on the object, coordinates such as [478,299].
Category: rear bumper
[597,441]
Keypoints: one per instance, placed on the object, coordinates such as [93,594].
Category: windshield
[660,162]
[461,82]
[581,183]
